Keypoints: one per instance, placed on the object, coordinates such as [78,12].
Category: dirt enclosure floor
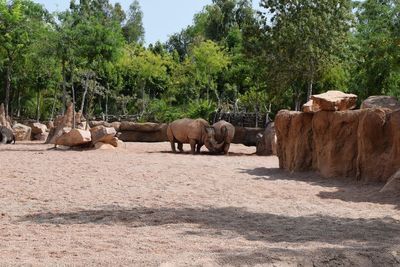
[144,206]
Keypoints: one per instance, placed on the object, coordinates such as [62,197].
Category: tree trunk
[310,88]
[38,105]
[64,86]
[53,109]
[73,101]
[84,93]
[108,89]
[7,88]
[19,104]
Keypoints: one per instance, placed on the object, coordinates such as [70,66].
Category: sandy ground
[144,206]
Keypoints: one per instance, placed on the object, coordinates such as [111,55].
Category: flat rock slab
[75,137]
[335,101]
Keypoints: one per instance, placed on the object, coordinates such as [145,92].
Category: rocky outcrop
[295,140]
[335,147]
[388,102]
[22,132]
[73,138]
[334,101]
[378,144]
[360,145]
[116,125]
[266,142]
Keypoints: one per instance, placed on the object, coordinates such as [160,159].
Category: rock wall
[360,144]
[294,133]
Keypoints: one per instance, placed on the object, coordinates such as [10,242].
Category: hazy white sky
[161,17]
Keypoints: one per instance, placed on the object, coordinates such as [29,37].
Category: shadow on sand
[347,190]
[373,237]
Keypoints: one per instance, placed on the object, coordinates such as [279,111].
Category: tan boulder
[103,146]
[41,137]
[295,140]
[114,142]
[102,134]
[22,132]
[335,101]
[310,107]
[38,128]
[74,137]
[388,102]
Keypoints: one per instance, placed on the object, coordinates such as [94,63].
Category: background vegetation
[231,58]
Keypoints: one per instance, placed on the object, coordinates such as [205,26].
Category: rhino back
[180,129]
[218,131]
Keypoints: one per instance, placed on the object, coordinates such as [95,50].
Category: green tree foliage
[133,28]
[305,37]
[231,58]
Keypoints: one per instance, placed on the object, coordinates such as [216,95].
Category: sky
[162,18]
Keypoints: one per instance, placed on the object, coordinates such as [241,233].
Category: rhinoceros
[6,135]
[194,132]
[224,133]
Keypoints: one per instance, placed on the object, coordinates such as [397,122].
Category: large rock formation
[335,143]
[38,128]
[382,101]
[360,144]
[334,101]
[378,144]
[295,140]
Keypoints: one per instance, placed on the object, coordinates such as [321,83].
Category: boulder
[103,146]
[38,128]
[246,136]
[116,125]
[388,102]
[74,137]
[22,132]
[266,142]
[102,134]
[335,147]
[310,107]
[60,123]
[41,137]
[335,101]
[393,185]
[295,140]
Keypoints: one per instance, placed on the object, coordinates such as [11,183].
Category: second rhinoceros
[194,132]
[224,133]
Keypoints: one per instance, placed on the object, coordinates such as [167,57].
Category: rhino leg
[226,148]
[180,146]
[193,146]
[199,147]
[173,147]
[4,139]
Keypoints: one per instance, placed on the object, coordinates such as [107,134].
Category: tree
[19,19]
[133,28]
[305,36]
[208,59]
[377,56]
